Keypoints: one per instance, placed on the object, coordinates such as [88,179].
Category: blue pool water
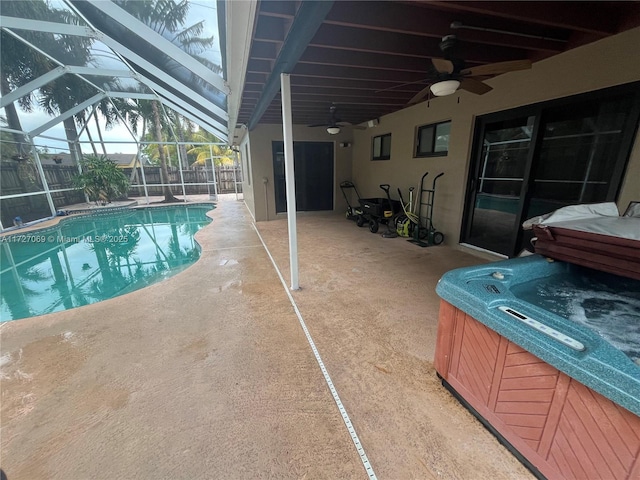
[92,258]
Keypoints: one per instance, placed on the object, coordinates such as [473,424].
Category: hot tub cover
[593,235]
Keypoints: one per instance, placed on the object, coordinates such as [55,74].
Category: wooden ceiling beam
[378,61]
[560,14]
[329,90]
[259,66]
[368,84]
[270,29]
[392,43]
[354,73]
[413,19]
[264,50]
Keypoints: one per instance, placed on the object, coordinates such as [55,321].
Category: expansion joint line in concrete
[325,373]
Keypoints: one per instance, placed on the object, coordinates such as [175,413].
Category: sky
[199,9]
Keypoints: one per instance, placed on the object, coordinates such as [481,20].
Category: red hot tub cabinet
[556,424]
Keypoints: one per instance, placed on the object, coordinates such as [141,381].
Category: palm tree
[184,130]
[21,64]
[167,17]
[157,128]
[203,152]
[173,124]
[8,142]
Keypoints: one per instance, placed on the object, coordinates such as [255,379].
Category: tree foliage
[167,17]
[101,179]
[201,153]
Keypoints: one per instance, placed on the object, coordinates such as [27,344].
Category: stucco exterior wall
[260,140]
[609,62]
[248,180]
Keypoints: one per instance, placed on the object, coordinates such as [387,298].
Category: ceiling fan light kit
[445,87]
[334,124]
[451,73]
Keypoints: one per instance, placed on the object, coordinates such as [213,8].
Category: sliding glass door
[535,160]
[499,180]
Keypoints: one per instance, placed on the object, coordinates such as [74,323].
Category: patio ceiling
[371,58]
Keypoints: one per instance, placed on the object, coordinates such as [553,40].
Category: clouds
[118,133]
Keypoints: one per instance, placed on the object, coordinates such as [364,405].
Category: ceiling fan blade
[319,125]
[442,65]
[420,95]
[474,86]
[497,68]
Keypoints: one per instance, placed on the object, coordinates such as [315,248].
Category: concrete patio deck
[209,375]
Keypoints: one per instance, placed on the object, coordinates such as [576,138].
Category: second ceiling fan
[450,73]
[334,123]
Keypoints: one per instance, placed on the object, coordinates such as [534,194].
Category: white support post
[235,169]
[289,175]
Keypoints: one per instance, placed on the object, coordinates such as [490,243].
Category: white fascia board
[69,113]
[154,38]
[240,21]
[46,27]
[157,72]
[34,84]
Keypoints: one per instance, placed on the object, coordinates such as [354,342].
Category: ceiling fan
[334,123]
[450,73]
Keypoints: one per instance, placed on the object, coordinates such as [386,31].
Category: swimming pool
[95,257]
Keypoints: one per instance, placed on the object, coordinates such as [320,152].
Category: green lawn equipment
[407,221]
[353,213]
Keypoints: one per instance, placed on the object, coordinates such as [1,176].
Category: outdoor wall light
[446,87]
[333,130]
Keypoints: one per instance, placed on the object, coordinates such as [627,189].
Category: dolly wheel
[438,238]
[373,226]
[361,221]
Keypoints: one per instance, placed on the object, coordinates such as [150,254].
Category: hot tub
[547,355]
